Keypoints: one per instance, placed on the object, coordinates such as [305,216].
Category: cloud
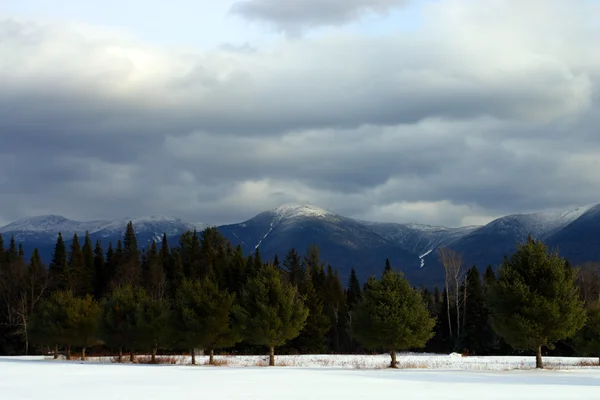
[293,17]
[478,114]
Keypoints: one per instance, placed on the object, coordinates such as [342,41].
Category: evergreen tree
[237,271]
[77,268]
[490,276]
[2,255]
[128,260]
[122,326]
[155,280]
[587,340]
[58,270]
[49,322]
[67,320]
[12,254]
[101,279]
[89,276]
[312,338]
[201,317]
[153,315]
[535,302]
[270,312]
[477,335]
[292,263]
[388,266]
[391,316]
[85,316]
[353,295]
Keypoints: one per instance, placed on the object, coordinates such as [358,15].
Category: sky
[444,112]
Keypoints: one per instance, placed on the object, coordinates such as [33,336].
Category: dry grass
[588,363]
[218,362]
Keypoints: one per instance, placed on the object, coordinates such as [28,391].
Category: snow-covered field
[304,377]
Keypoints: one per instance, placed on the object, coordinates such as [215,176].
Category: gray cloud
[293,17]
[458,124]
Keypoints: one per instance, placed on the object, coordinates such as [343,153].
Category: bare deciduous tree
[452,262]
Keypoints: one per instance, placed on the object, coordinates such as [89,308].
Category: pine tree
[201,317]
[391,316]
[153,315]
[535,302]
[587,340]
[155,280]
[122,326]
[270,312]
[58,270]
[77,268]
[85,321]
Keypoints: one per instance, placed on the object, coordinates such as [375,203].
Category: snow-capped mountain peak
[52,223]
[292,210]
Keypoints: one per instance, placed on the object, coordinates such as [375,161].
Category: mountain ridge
[345,242]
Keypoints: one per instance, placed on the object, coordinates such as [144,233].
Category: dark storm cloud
[456,125]
[294,16]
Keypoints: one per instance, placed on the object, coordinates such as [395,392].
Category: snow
[92,380]
[422,257]
[52,224]
[301,210]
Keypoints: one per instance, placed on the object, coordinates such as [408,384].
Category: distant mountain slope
[347,243]
[579,241]
[41,231]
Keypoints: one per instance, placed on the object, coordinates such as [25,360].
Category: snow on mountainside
[47,226]
[290,211]
[539,225]
[51,225]
[154,223]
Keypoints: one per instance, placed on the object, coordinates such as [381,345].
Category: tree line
[204,293]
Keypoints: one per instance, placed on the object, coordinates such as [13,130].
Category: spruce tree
[201,317]
[270,311]
[312,338]
[100,276]
[353,293]
[58,270]
[77,268]
[128,261]
[391,316]
[477,335]
[292,263]
[535,302]
[89,276]
[237,271]
[155,280]
[388,266]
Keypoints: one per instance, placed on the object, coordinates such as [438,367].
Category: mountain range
[347,243]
